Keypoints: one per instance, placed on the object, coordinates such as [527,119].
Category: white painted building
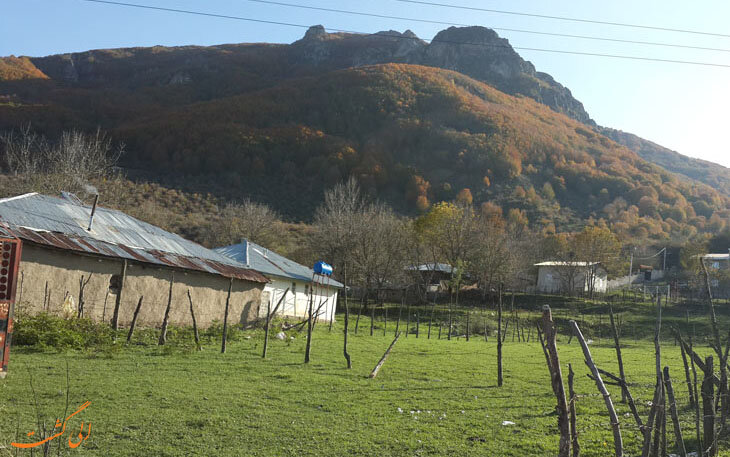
[286,274]
[561,277]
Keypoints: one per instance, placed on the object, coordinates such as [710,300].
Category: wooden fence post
[269,315]
[195,323]
[617,441]
[134,319]
[163,331]
[347,319]
[430,320]
[499,339]
[225,317]
[709,440]
[556,378]
[673,412]
[408,320]
[617,343]
[687,375]
[573,416]
[376,370]
[118,302]
[467,325]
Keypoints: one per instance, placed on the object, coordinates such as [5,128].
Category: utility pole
[664,267]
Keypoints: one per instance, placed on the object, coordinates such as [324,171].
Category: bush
[45,331]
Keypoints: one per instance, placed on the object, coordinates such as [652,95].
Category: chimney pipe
[93,210]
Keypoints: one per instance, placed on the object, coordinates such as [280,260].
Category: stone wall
[48,275]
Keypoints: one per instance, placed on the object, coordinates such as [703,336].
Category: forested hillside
[281,123]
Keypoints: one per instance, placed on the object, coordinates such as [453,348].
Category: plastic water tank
[322,268]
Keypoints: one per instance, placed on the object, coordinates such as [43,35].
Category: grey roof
[440,267]
[268,262]
[566,264]
[63,223]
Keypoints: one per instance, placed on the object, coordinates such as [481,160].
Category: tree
[597,244]
[248,220]
[67,164]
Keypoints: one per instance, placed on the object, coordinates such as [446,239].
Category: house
[289,279]
[569,277]
[717,266]
[435,276]
[69,247]
[717,261]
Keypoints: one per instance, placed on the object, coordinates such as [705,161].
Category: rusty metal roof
[62,223]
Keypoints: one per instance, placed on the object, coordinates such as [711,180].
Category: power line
[564,18]
[399,36]
[501,29]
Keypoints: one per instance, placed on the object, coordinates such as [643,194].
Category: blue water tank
[322,268]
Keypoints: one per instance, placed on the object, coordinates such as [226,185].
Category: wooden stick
[708,410]
[375,371]
[687,375]
[195,323]
[629,397]
[347,321]
[163,332]
[269,315]
[308,348]
[408,321]
[573,416]
[430,320]
[225,317]
[118,301]
[82,287]
[673,412]
[697,403]
[556,378]
[620,359]
[134,319]
[500,380]
[617,441]
[467,325]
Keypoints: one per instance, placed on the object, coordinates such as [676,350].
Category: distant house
[435,276]
[286,274]
[717,261]
[116,257]
[570,277]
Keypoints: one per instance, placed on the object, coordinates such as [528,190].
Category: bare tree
[249,220]
[66,164]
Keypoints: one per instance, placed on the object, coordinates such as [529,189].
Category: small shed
[284,274]
[570,277]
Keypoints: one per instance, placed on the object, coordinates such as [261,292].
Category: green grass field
[432,397]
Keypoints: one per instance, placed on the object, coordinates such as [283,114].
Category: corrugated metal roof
[61,223]
[566,264]
[440,267]
[269,262]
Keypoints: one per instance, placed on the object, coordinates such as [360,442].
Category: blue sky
[682,107]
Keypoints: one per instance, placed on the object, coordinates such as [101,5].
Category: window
[716,265]
[115,284]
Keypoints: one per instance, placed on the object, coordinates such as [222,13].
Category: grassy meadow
[432,397]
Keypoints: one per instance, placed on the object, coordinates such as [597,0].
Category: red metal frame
[10,252]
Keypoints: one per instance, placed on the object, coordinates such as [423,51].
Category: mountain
[710,173]
[414,122]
